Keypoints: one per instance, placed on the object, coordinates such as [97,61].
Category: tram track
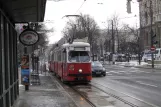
[83,96]
[77,88]
[114,96]
[110,94]
[119,98]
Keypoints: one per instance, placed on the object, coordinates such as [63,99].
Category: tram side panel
[56,67]
[60,69]
[64,70]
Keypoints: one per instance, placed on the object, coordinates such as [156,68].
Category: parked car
[98,69]
[121,58]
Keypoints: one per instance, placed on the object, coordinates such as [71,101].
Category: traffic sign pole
[152,54]
[151,32]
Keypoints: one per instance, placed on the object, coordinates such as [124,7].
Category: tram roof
[76,44]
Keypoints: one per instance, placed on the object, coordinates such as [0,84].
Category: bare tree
[112,31]
[135,39]
[129,38]
[84,26]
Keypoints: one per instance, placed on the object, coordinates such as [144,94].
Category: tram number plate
[80,78]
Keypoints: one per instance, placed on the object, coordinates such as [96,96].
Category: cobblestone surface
[47,94]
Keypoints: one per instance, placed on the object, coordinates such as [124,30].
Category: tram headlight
[80,71]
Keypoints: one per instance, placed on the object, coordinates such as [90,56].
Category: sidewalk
[133,64]
[48,94]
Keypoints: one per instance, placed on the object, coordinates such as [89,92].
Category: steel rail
[119,98]
[114,96]
[77,91]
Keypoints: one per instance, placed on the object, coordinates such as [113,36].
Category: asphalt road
[139,84]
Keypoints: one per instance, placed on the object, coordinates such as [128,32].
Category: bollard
[26,87]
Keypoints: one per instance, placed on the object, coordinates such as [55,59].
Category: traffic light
[154,41]
[128,6]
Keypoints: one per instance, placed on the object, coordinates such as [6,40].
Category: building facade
[11,13]
[150,13]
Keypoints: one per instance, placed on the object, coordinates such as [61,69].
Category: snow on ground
[134,63]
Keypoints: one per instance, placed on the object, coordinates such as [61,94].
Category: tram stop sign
[153,49]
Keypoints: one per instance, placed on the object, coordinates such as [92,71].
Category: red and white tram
[72,62]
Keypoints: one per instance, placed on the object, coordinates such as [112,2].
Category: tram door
[64,63]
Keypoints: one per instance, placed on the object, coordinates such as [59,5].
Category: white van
[147,55]
[157,54]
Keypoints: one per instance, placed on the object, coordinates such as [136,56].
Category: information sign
[25,72]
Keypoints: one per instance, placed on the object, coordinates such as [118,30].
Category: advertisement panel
[25,72]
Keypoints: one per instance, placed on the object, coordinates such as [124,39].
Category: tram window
[79,56]
[63,52]
[56,56]
[53,57]
[59,55]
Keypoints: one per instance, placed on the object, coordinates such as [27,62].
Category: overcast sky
[100,12]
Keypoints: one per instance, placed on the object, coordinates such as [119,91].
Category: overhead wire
[80,6]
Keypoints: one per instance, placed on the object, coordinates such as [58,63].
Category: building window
[9,86]
[146,17]
[146,39]
[145,5]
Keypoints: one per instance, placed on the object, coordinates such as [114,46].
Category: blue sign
[25,76]
[25,71]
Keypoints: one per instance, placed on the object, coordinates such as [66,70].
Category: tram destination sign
[29,37]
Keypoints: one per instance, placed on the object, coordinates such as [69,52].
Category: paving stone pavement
[48,94]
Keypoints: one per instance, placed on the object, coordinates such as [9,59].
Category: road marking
[133,71]
[122,71]
[153,105]
[113,72]
[109,74]
[140,82]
